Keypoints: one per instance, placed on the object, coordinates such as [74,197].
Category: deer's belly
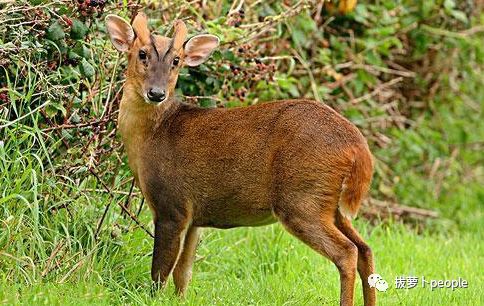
[228,217]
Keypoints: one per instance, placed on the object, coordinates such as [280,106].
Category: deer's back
[250,133]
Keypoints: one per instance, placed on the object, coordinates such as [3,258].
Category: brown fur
[290,161]
[140,27]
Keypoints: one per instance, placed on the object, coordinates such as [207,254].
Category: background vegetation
[407,73]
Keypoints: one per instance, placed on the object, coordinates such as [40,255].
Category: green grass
[263,266]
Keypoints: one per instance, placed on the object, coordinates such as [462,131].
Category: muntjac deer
[293,161]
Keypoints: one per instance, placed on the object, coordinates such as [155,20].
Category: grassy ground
[266,266]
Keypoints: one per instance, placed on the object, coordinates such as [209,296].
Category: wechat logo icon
[376,281]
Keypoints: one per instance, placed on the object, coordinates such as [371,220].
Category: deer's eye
[176,60]
[142,55]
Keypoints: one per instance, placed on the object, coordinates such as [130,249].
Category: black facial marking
[152,39]
[169,49]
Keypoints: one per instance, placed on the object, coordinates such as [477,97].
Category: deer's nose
[156,94]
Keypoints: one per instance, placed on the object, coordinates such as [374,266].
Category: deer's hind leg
[311,219]
[183,269]
[365,257]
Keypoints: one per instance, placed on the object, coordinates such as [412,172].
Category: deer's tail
[355,186]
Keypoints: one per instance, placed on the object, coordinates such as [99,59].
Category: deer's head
[154,61]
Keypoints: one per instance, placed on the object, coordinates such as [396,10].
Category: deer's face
[154,61]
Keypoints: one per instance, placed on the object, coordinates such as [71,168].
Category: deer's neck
[138,121]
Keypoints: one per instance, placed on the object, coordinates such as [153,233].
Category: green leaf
[75,118]
[67,134]
[78,29]
[50,111]
[459,15]
[306,23]
[207,103]
[229,55]
[426,8]
[289,85]
[81,50]
[87,69]
[86,52]
[36,2]
[299,37]
[361,13]
[53,109]
[449,4]
[382,31]
[72,55]
[373,58]
[55,32]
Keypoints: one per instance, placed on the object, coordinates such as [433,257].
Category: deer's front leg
[169,237]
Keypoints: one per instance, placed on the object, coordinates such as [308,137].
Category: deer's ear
[140,27]
[199,48]
[120,32]
[179,34]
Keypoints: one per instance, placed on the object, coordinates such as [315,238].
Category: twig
[203,97]
[50,123]
[101,221]
[113,191]
[128,198]
[461,35]
[303,62]
[133,217]
[377,90]
[56,250]
[140,207]
[373,208]
[235,8]
[107,105]
[376,69]
[473,30]
[76,126]
[340,82]
[78,264]
[258,28]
